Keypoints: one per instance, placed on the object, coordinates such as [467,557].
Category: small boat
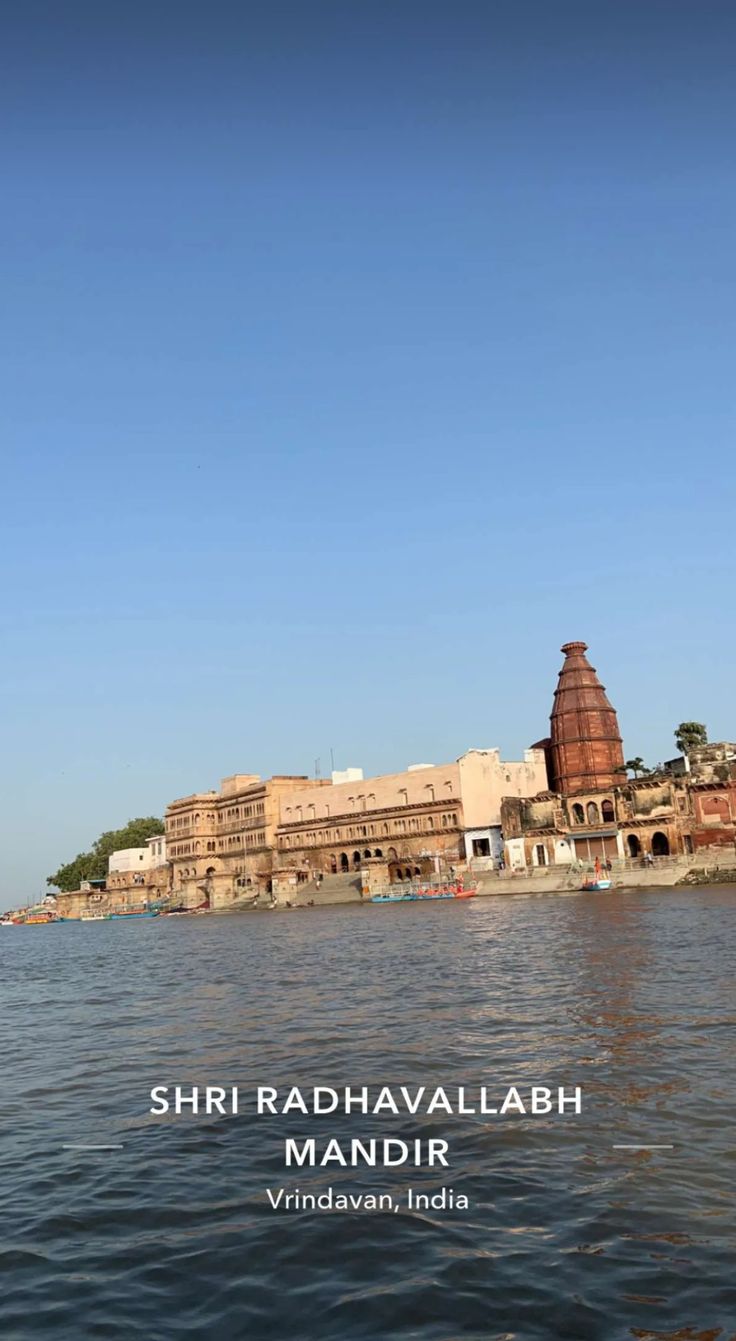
[133,912]
[7,922]
[39,919]
[93,917]
[456,891]
[592,886]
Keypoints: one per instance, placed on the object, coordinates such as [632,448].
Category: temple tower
[586,753]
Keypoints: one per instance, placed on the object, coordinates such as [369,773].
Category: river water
[630,995]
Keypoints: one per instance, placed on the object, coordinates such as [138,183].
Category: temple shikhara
[593,810]
[585,749]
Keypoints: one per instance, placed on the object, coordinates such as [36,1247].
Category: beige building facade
[419,821]
[220,845]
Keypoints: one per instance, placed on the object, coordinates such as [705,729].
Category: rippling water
[630,995]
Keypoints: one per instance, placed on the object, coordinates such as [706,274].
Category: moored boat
[427,894]
[596,880]
[125,913]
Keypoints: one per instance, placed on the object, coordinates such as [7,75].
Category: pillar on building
[284,884]
[374,876]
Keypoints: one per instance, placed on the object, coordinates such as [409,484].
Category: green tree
[636,766]
[92,865]
[689,735]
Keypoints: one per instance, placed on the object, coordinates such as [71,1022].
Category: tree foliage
[92,865]
[689,735]
[636,766]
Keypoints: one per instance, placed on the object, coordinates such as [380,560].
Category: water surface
[629,994]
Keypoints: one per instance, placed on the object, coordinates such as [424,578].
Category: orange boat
[454,891]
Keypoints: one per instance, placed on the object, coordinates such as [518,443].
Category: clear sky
[354,356]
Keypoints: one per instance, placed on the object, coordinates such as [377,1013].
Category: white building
[130,859]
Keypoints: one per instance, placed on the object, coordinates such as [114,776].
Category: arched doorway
[367,852]
[634,846]
[607,812]
[660,845]
[333,865]
[344,862]
[356,861]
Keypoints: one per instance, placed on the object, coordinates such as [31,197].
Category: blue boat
[124,917]
[408,898]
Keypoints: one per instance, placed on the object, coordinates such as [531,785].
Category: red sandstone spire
[586,752]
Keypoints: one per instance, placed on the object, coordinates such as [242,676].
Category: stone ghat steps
[344,888]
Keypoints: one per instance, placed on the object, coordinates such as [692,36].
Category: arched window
[333,864]
[356,860]
[344,863]
[367,852]
[593,816]
[378,852]
[633,844]
[578,814]
[607,811]
[660,845]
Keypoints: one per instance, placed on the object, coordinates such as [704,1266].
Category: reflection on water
[629,995]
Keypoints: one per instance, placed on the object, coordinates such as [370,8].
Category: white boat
[93,917]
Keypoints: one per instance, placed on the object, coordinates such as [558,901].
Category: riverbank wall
[665,873]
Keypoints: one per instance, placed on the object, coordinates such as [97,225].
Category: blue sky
[353,358]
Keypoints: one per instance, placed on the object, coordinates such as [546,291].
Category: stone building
[577,818]
[593,810]
[655,816]
[221,844]
[420,821]
[142,870]
[712,763]
[714,814]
